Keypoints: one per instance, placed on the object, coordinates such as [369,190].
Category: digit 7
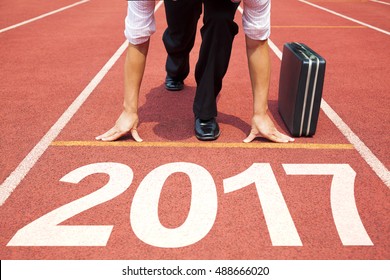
[342,199]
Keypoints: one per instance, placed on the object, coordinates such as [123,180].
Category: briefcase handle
[306,51]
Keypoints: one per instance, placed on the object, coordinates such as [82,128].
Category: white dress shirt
[256,19]
[140,23]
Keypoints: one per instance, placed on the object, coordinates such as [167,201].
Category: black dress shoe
[206,129]
[173,84]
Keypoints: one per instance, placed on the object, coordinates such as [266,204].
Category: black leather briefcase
[300,88]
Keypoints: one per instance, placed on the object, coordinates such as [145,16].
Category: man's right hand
[127,122]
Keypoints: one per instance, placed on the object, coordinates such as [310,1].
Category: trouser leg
[179,37]
[218,32]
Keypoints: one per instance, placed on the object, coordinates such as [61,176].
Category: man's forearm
[134,70]
[259,70]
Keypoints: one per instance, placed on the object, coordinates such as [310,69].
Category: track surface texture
[66,196]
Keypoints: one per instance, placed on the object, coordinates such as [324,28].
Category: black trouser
[217,32]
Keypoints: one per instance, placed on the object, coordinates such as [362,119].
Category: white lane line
[42,16]
[380,2]
[377,166]
[8,186]
[346,17]
[275,49]
[14,179]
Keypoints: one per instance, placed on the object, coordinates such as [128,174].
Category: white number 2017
[46,231]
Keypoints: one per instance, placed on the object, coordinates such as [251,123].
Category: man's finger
[250,137]
[274,137]
[135,135]
[106,134]
[284,137]
[113,136]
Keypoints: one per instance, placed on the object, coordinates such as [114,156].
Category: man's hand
[127,122]
[262,126]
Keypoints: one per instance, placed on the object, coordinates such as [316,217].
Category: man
[217,32]
[212,63]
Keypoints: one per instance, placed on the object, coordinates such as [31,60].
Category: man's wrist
[130,109]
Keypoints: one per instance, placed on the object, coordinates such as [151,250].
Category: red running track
[172,197]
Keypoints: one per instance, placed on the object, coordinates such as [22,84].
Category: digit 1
[277,216]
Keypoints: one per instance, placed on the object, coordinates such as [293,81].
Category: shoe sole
[208,138]
[174,89]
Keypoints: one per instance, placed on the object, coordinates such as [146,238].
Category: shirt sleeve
[139,23]
[256,19]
